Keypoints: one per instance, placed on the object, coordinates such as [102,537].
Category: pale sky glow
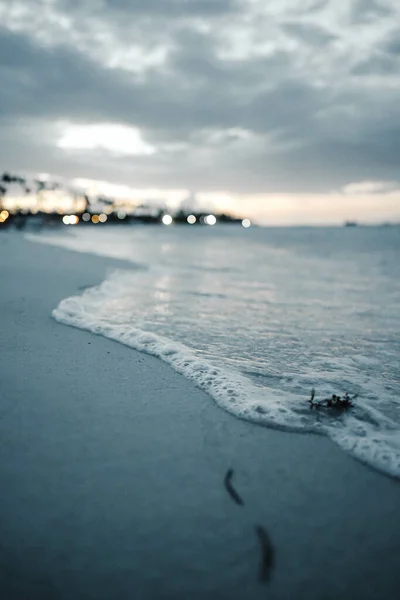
[284,110]
[321,209]
[116,139]
[356,202]
[172,197]
[371,187]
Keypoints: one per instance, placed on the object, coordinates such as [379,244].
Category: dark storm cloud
[57,82]
[40,81]
[261,101]
[61,83]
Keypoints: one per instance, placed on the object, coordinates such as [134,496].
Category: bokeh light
[70,219]
[210,220]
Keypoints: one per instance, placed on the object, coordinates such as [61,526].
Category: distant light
[246,223]
[86,217]
[95,219]
[167,219]
[4,214]
[210,220]
[2,219]
[121,214]
[191,219]
[70,219]
[103,218]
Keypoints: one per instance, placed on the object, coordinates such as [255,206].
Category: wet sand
[114,472]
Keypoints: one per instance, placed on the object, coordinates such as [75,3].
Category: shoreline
[112,471]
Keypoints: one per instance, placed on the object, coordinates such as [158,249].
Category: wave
[360,433]
[263,327]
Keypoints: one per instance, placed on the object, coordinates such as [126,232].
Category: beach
[112,471]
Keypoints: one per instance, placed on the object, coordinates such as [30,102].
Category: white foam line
[233,392]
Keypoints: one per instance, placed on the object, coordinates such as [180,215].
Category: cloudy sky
[287,110]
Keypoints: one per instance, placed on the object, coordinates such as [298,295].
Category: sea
[258,317]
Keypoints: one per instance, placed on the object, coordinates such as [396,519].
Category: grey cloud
[362,11]
[62,84]
[310,34]
[174,7]
[41,81]
[377,64]
[154,8]
[300,138]
[290,108]
[392,45]
[304,8]
[231,84]
[318,5]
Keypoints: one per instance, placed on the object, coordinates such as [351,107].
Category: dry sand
[112,472]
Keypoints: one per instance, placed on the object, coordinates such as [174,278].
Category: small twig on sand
[267,554]
[230,489]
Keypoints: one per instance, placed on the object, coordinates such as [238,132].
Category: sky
[287,111]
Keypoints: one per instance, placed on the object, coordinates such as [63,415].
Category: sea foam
[258,318]
[229,389]
[360,435]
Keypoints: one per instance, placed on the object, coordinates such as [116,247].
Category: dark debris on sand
[230,489]
[267,562]
[334,402]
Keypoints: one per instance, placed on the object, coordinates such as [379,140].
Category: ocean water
[257,317]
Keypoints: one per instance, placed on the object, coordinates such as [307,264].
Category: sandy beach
[112,472]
